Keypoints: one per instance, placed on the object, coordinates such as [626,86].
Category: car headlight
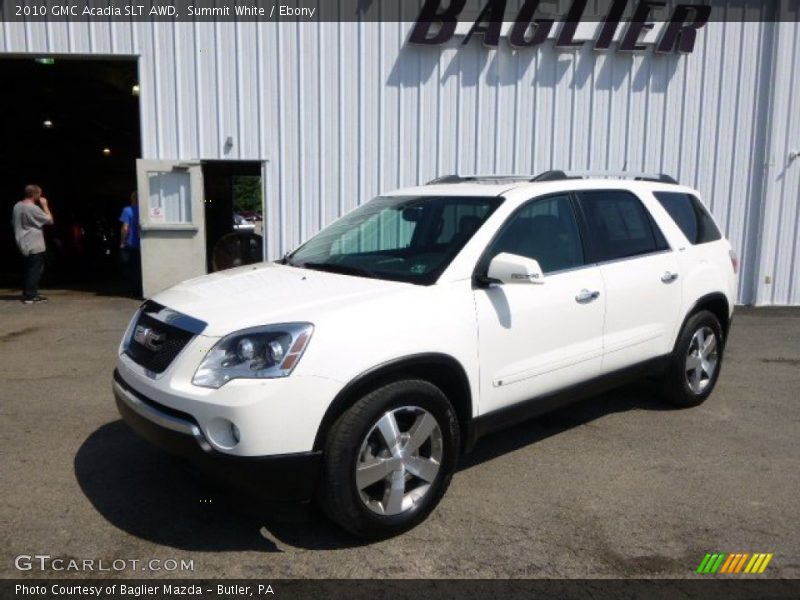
[256,353]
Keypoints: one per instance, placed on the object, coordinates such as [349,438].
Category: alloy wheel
[702,359]
[399,460]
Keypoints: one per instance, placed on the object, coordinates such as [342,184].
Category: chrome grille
[154,344]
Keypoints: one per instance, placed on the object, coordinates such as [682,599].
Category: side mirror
[512,268]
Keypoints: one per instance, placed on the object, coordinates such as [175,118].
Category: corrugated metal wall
[778,280]
[341,112]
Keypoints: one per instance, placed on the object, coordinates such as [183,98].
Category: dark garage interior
[233,213]
[70,126]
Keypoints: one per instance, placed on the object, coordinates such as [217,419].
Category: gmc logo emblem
[148,338]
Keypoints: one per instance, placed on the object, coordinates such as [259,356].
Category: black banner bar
[468,11]
[730,588]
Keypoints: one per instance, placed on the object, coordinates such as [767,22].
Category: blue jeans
[34,267]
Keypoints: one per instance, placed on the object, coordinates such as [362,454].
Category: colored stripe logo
[734,563]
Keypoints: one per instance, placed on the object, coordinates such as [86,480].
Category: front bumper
[283,477]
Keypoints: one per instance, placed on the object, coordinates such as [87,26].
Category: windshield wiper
[337,268]
[284,260]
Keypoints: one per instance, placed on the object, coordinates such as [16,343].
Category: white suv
[357,369]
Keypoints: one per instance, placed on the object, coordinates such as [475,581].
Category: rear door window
[619,226]
[690,216]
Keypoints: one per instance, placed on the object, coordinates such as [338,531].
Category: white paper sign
[156,214]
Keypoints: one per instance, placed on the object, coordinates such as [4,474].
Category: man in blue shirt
[130,256]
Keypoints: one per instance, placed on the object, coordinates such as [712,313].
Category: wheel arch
[716,303]
[442,370]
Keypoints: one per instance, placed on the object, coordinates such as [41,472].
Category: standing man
[28,218]
[129,246]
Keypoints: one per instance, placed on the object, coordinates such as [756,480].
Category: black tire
[339,494]
[676,386]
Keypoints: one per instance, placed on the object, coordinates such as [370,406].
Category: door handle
[669,277]
[585,296]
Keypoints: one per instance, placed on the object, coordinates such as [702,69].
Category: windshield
[401,238]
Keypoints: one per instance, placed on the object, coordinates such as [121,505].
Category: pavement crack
[793,362]
[13,335]
[40,378]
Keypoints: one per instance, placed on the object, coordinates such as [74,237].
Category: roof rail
[638,176]
[477,179]
[551,176]
[555,175]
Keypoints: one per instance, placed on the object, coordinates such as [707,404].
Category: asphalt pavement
[616,486]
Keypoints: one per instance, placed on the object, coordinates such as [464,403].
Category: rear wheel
[696,361]
[389,459]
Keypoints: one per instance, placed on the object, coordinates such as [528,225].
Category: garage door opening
[72,127]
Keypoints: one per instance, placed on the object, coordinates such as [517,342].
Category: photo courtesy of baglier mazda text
[408,298]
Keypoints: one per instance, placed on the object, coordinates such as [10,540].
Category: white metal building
[338,112]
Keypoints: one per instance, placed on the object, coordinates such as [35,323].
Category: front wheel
[389,459]
[696,361]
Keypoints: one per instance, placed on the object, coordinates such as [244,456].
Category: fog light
[223,433]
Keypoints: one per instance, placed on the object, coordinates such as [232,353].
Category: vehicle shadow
[635,396]
[156,497]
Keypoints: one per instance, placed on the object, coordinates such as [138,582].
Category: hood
[269,293]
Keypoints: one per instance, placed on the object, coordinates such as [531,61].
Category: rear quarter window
[690,216]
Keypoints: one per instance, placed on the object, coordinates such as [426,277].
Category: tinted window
[690,215]
[460,219]
[402,238]
[619,226]
[546,231]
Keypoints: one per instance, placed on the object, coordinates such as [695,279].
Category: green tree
[247,193]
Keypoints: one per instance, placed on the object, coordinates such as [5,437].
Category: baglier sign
[528,30]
